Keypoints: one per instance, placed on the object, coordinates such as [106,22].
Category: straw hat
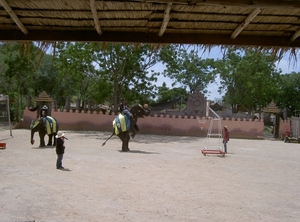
[60,134]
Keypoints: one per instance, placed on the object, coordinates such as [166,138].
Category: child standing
[60,149]
[225,138]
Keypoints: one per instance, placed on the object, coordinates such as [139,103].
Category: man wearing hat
[43,111]
[60,149]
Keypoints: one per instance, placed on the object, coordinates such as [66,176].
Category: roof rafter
[142,37]
[13,15]
[242,3]
[243,25]
[296,35]
[166,20]
[95,16]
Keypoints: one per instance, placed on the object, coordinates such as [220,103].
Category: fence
[157,124]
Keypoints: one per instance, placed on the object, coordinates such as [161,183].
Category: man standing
[225,138]
[60,149]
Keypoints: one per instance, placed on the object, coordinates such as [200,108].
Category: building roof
[267,23]
[271,108]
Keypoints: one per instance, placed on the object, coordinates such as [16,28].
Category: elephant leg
[136,128]
[125,140]
[54,139]
[50,140]
[42,139]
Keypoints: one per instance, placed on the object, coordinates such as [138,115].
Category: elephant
[138,111]
[46,125]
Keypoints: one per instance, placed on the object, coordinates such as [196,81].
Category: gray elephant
[44,126]
[122,130]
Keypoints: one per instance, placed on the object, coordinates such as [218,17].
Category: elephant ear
[34,123]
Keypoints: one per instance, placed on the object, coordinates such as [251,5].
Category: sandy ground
[162,179]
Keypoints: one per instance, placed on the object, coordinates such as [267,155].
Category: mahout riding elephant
[121,124]
[47,125]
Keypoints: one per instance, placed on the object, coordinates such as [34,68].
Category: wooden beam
[95,16]
[166,20]
[242,3]
[141,37]
[14,17]
[243,25]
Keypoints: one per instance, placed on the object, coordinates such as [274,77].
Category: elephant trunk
[147,111]
[31,138]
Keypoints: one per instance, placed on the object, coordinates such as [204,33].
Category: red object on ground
[204,152]
[2,145]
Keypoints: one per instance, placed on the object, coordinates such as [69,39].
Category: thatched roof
[267,23]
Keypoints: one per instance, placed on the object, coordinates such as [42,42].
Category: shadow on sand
[138,151]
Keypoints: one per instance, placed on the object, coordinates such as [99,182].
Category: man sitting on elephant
[43,112]
[124,109]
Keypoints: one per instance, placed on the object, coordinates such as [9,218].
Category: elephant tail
[108,138]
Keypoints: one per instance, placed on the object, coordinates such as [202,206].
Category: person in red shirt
[225,138]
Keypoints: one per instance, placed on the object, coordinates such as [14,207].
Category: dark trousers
[59,160]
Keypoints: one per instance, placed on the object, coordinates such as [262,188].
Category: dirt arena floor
[163,178]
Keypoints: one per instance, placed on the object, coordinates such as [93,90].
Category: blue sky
[285,65]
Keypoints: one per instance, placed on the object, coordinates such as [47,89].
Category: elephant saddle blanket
[51,124]
[121,123]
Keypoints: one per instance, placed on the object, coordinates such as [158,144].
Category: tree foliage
[186,68]
[125,67]
[289,93]
[165,94]
[249,78]
[105,72]
[18,74]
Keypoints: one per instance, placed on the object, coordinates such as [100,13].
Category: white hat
[45,107]
[60,134]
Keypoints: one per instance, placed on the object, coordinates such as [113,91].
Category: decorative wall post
[78,105]
[28,101]
[55,105]
[67,104]
[90,105]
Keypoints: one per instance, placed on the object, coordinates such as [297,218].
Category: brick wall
[157,124]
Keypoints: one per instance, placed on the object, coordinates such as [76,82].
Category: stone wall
[186,124]
[157,124]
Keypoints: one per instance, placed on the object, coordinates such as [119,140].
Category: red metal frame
[204,152]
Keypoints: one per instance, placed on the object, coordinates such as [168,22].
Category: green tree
[186,68]
[165,94]
[289,94]
[19,73]
[249,78]
[46,78]
[77,73]
[125,70]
